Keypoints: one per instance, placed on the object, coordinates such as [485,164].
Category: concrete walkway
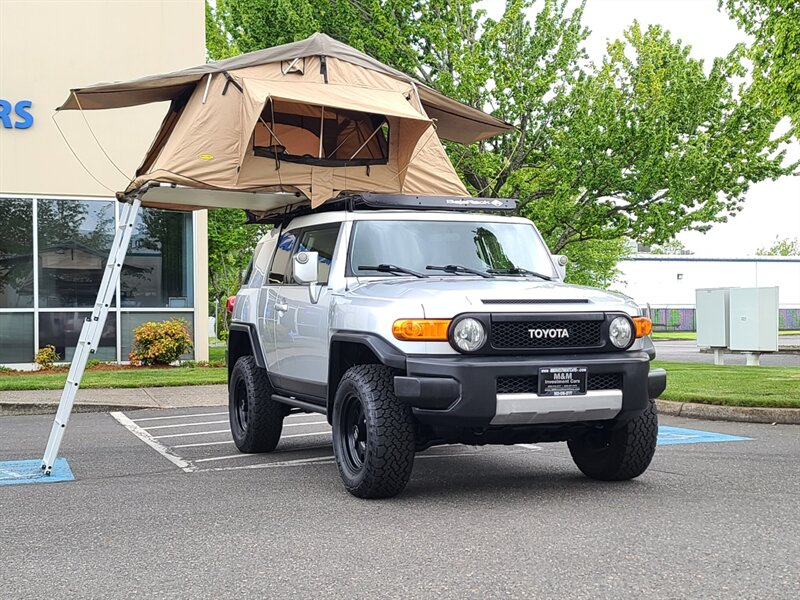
[35,402]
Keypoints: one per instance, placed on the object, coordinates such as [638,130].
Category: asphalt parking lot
[153,512]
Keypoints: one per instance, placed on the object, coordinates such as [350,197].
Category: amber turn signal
[421,330]
[644,326]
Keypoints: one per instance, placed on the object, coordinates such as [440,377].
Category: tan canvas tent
[315,118]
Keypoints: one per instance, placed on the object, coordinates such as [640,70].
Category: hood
[448,296]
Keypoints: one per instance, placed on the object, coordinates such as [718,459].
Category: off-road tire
[256,419]
[618,454]
[387,455]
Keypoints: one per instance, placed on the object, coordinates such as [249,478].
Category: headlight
[620,332]
[469,335]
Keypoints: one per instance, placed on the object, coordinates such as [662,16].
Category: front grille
[529,384]
[512,335]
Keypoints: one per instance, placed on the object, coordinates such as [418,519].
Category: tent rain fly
[315,118]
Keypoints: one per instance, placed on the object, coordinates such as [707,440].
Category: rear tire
[256,419]
[373,433]
[618,454]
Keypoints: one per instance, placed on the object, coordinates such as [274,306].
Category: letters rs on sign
[16,115]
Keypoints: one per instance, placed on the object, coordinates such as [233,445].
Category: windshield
[496,248]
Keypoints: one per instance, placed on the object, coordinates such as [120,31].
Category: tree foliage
[781,247]
[230,248]
[642,146]
[775,26]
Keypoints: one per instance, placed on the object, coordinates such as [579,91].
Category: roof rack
[371,201]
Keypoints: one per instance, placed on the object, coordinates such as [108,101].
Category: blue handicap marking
[679,435]
[13,472]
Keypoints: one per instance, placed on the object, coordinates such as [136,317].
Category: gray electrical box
[754,319]
[711,316]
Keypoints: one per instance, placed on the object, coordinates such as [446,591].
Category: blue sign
[678,435]
[15,472]
[16,115]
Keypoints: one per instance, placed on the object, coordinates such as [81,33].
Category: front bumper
[461,391]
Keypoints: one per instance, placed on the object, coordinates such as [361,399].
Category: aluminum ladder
[91,331]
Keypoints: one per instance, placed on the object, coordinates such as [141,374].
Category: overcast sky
[771,208]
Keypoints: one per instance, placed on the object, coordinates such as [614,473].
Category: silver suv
[411,328]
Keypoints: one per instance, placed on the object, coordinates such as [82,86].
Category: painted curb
[741,414]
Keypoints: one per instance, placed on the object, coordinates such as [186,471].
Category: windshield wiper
[393,269]
[459,269]
[519,271]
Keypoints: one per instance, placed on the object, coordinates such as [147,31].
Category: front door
[301,330]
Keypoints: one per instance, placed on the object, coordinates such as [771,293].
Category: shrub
[46,356]
[160,343]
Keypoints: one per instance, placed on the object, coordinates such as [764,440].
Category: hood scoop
[536,301]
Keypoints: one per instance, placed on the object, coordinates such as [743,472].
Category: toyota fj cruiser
[411,324]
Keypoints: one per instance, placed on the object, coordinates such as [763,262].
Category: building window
[53,254]
[62,329]
[74,240]
[159,264]
[16,253]
[16,337]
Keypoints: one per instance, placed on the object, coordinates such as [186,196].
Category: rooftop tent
[315,118]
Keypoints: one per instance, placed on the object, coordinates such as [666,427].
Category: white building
[668,283]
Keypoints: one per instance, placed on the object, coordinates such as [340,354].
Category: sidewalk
[42,402]
[38,402]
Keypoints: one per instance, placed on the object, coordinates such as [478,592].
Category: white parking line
[185,424]
[283,437]
[150,441]
[174,435]
[286,463]
[214,414]
[240,455]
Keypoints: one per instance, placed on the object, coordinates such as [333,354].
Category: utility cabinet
[712,310]
[754,319]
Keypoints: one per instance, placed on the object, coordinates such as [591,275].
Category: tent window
[315,135]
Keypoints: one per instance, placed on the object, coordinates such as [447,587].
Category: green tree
[671,247]
[775,27]
[230,248]
[781,247]
[642,146]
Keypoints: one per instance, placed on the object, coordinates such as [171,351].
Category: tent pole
[92,330]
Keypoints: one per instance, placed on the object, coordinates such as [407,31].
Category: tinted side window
[322,240]
[280,264]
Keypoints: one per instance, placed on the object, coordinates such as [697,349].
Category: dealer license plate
[562,381]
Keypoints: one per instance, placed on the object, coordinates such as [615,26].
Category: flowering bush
[160,343]
[46,356]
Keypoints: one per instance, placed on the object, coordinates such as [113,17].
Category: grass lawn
[732,385]
[216,353]
[124,378]
[691,335]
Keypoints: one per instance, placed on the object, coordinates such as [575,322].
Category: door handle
[282,308]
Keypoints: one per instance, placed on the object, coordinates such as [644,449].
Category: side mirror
[305,270]
[561,265]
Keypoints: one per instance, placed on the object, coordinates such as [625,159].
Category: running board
[307,406]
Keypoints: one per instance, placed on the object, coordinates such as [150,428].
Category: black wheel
[618,454]
[373,433]
[256,419]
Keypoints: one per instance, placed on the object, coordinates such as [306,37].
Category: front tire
[373,433]
[618,454]
[256,419]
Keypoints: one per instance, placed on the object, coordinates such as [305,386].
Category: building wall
[668,284]
[50,46]
[672,281]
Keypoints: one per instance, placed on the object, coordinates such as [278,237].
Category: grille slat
[529,384]
[512,335]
